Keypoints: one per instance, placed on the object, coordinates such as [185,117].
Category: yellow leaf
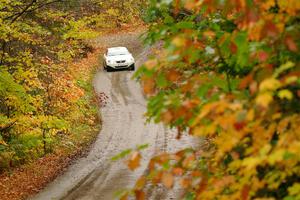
[264,99]
[204,112]
[283,68]
[294,189]
[276,116]
[250,115]
[268,4]
[269,84]
[251,162]
[3,143]
[178,41]
[205,130]
[285,94]
[150,64]
[291,79]
[265,150]
[276,156]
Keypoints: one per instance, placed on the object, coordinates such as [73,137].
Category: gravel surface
[96,177]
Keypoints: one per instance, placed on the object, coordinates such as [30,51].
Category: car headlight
[131,59]
[109,61]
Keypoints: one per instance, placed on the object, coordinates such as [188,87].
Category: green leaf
[161,80]
[185,25]
[243,49]
[142,147]
[203,89]
[190,196]
[121,155]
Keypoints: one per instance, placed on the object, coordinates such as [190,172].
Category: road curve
[96,177]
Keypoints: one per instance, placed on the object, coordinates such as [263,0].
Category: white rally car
[118,58]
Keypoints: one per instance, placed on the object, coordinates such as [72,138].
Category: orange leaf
[157,178]
[134,161]
[168,180]
[185,183]
[167,117]
[246,81]
[178,171]
[176,6]
[188,161]
[139,195]
[140,183]
[245,192]
[209,34]
[124,197]
[172,75]
[196,174]
[152,164]
[253,87]
[149,86]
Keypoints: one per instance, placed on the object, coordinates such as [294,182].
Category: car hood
[120,57]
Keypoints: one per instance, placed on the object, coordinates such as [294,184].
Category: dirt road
[96,177]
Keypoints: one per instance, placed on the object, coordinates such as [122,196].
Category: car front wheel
[132,67]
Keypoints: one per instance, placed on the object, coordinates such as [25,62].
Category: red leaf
[263,56]
[246,81]
[239,125]
[245,192]
[290,43]
[270,29]
[233,47]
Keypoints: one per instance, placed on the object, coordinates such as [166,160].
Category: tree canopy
[228,73]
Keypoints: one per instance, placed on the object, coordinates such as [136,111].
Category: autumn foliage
[228,74]
[46,102]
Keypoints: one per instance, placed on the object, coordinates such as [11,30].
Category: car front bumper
[120,66]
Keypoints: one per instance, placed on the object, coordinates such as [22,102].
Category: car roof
[117,49]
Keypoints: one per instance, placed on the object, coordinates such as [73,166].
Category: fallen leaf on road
[168,180]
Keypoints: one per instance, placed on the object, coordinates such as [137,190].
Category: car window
[117,53]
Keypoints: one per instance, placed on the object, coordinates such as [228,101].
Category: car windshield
[117,53]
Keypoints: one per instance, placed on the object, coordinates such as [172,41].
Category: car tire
[132,67]
[109,69]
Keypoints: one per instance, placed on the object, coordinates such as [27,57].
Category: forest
[226,72]
[45,102]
